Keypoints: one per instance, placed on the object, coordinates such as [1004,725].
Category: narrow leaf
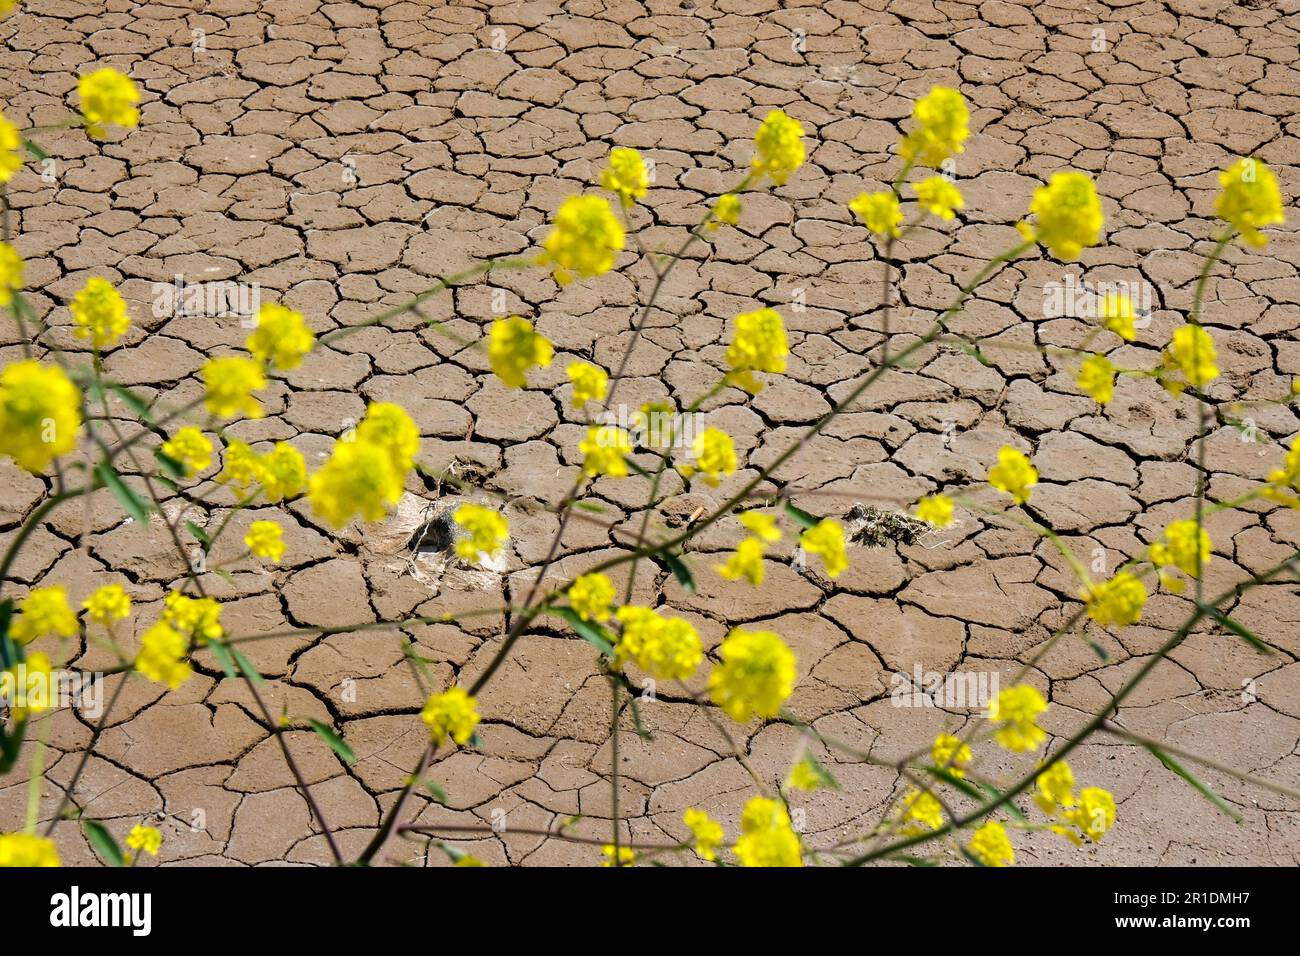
[334,740]
[128,499]
[247,667]
[102,841]
[1197,784]
[222,654]
[200,535]
[801,516]
[680,571]
[1239,629]
[589,631]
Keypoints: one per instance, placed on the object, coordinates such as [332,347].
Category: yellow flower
[715,455]
[11,273]
[229,383]
[26,850]
[281,338]
[756,676]
[40,414]
[938,196]
[148,839]
[620,857]
[921,810]
[879,212]
[43,611]
[1097,378]
[767,838]
[779,147]
[941,127]
[590,596]
[282,472]
[1183,545]
[1055,787]
[1249,200]
[1067,215]
[358,478]
[469,860]
[1095,813]
[991,845]
[162,656]
[488,531]
[761,525]
[707,832]
[189,448]
[626,175]
[99,313]
[242,466]
[1191,351]
[11,142]
[827,539]
[585,238]
[1116,312]
[667,649]
[589,383]
[107,98]
[32,688]
[196,618]
[453,713]
[387,426]
[1013,474]
[1118,601]
[514,348]
[107,604]
[604,451]
[745,562]
[1287,476]
[725,210]
[950,753]
[758,346]
[935,510]
[805,775]
[265,540]
[1017,709]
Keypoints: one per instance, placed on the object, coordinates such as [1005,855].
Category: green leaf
[593,506]
[589,631]
[133,504]
[35,150]
[170,464]
[801,516]
[11,652]
[975,793]
[200,535]
[916,860]
[222,654]
[1240,630]
[1196,783]
[137,404]
[636,719]
[247,667]
[439,794]
[680,571]
[11,744]
[102,841]
[334,740]
[1098,650]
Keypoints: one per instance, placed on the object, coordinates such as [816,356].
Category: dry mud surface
[344,154]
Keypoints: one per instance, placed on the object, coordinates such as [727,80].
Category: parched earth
[342,155]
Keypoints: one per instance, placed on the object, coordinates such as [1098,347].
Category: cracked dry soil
[343,154]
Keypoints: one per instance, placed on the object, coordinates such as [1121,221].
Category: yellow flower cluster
[1067,215]
[35,684]
[827,539]
[951,754]
[27,850]
[198,619]
[715,456]
[938,196]
[99,314]
[1190,352]
[108,604]
[665,648]
[514,347]
[229,383]
[747,560]
[605,450]
[1184,546]
[941,119]
[756,676]
[1097,378]
[453,713]
[766,837]
[190,449]
[11,149]
[590,383]
[759,345]
[921,810]
[1013,474]
[1116,312]
[281,338]
[108,98]
[1249,200]
[366,472]
[43,611]
[616,857]
[584,239]
[11,273]
[1092,812]
[591,595]
[145,839]
[162,656]
[708,833]
[778,147]
[879,212]
[625,175]
[488,531]
[725,210]
[1118,601]
[40,414]
[265,540]
[1017,709]
[991,845]
[935,510]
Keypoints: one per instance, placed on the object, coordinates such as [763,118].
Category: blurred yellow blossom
[707,832]
[745,562]
[1094,814]
[189,448]
[27,850]
[43,611]
[827,539]
[935,510]
[950,753]
[725,210]
[146,839]
[11,141]
[590,383]
[938,196]
[1118,601]
[590,595]
[767,838]
[488,531]
[991,845]
[625,175]
[196,618]
[759,345]
[584,239]
[1117,315]
[1097,378]
[879,212]
[40,414]
[665,648]
[11,273]
[1017,709]
[1013,474]
[1191,351]
[281,338]
[358,478]
[162,656]
[453,713]
[265,540]
[107,604]
[229,382]
[514,347]
[623,856]
[778,146]
[1055,787]
[604,451]
[756,675]
[1249,200]
[99,313]
[1067,215]
[941,119]
[108,98]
